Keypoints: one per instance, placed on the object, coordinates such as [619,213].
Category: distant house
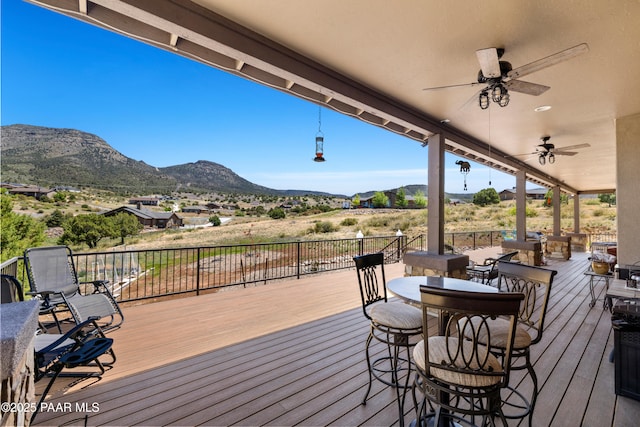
[150,218]
[214,206]
[32,191]
[367,202]
[66,188]
[197,209]
[145,201]
[533,193]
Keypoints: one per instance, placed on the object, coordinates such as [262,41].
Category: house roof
[142,213]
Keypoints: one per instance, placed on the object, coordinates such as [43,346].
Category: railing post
[198,272]
[298,260]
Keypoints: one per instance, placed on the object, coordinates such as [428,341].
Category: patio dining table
[408,288]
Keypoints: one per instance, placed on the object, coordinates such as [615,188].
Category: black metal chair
[392,323]
[535,283]
[53,278]
[459,378]
[488,270]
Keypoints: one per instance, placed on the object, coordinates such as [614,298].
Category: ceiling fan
[500,77]
[548,152]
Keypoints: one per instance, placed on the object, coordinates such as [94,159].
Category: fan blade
[573,147]
[451,86]
[564,153]
[526,87]
[489,62]
[554,59]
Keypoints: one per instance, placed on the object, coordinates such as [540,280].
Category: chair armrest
[73,334]
[99,286]
[41,293]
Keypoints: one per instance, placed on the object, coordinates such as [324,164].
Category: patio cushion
[499,328]
[396,315]
[438,353]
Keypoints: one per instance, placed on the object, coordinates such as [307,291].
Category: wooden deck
[291,353]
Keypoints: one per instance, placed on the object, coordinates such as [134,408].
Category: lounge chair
[84,345]
[53,278]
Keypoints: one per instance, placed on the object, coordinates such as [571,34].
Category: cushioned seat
[397,315]
[391,323]
[535,283]
[457,376]
[438,352]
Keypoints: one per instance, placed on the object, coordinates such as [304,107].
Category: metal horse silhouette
[465,168]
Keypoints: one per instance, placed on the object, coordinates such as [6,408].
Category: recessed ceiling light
[445,121]
[542,108]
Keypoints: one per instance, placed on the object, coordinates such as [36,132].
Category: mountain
[68,157]
[50,156]
[204,174]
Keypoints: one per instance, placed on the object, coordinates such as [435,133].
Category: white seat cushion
[499,328]
[438,352]
[396,315]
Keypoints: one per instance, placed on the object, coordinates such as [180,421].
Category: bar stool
[391,323]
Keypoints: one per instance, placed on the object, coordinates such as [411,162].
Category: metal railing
[147,274]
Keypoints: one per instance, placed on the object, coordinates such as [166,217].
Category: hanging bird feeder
[319,140]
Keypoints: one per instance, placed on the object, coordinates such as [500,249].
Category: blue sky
[166,110]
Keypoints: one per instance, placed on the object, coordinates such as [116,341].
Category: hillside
[68,157]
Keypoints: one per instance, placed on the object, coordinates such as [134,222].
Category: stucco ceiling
[374,58]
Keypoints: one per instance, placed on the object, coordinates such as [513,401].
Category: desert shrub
[215,220]
[324,227]
[598,212]
[349,221]
[378,221]
[529,212]
[276,213]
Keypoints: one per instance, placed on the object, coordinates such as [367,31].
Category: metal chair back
[535,283]
[371,279]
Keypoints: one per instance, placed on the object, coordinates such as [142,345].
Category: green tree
[610,199]
[87,228]
[124,225]
[488,196]
[420,199]
[19,231]
[60,196]
[215,220]
[56,219]
[380,200]
[401,198]
[276,213]
[356,200]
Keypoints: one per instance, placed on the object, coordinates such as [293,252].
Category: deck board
[292,353]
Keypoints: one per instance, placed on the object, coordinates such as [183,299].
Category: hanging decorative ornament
[319,139]
[465,168]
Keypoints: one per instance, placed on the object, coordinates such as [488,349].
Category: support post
[435,194]
[556,211]
[521,206]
